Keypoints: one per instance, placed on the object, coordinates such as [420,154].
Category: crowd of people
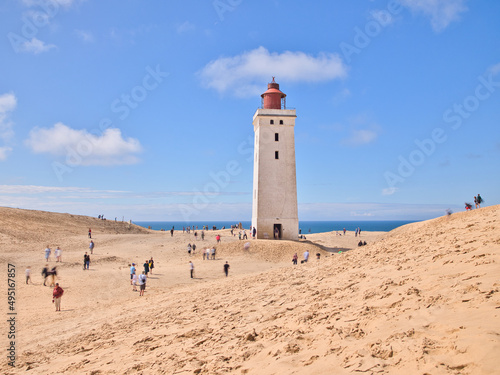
[139,278]
[49,274]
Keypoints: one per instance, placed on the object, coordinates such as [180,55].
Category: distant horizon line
[237,221]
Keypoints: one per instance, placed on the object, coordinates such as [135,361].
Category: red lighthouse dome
[273,97]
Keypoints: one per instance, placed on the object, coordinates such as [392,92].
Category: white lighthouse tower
[274,210]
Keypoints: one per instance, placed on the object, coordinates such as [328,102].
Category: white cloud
[360,137]
[85,36]
[389,191]
[84,148]
[243,74]
[35,46]
[64,3]
[3,152]
[495,69]
[185,27]
[35,189]
[441,12]
[361,129]
[341,96]
[362,214]
[8,103]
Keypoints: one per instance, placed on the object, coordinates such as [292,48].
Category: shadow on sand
[334,250]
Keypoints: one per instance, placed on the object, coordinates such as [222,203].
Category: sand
[422,299]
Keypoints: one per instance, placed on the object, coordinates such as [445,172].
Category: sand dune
[422,299]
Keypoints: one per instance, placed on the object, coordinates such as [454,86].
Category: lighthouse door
[277,231]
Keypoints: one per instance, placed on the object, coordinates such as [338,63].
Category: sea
[305,226]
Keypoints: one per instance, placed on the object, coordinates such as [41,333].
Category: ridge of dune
[423,299]
[33,225]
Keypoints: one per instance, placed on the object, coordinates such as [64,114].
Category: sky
[142,110]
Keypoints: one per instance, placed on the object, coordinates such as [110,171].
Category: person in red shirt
[56,296]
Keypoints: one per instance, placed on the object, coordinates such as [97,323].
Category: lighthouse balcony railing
[262,107]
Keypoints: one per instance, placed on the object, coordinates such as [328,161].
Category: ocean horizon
[305,226]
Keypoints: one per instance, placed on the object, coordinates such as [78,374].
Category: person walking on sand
[47,253]
[194,248]
[306,256]
[132,272]
[57,254]
[189,249]
[45,273]
[479,201]
[226,268]
[90,233]
[295,259]
[146,267]
[213,252]
[86,261]
[207,251]
[56,296]
[134,282]
[53,273]
[151,265]
[142,283]
[218,238]
[191,269]
[28,274]
[91,246]
[202,235]
[172,232]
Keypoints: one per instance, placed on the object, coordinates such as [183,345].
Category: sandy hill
[423,299]
[31,225]
[270,250]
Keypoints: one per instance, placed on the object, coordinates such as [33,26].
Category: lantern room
[273,98]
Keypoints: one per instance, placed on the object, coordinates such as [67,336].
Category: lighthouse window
[276,154]
[281,122]
[276,137]
[272,122]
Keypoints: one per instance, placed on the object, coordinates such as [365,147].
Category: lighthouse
[274,208]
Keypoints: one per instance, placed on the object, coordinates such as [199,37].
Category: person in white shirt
[191,268]
[142,283]
[58,253]
[47,253]
[28,274]
[134,282]
[306,256]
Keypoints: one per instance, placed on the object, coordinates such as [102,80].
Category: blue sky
[143,109]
